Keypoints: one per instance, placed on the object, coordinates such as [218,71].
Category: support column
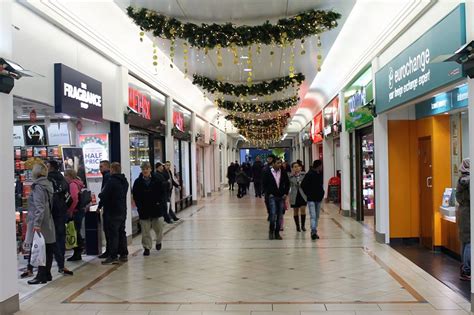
[328,161]
[382,208]
[194,182]
[345,164]
[9,299]
[169,140]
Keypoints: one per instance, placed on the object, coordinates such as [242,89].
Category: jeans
[466,258]
[60,247]
[276,205]
[157,225]
[314,210]
[117,237]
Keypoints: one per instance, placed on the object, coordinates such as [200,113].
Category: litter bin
[93,230]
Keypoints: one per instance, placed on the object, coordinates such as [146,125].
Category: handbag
[38,251]
[71,235]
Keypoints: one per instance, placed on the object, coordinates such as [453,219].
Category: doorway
[426,192]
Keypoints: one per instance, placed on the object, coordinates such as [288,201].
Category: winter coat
[312,186]
[164,178]
[257,170]
[60,189]
[464,210]
[105,180]
[114,196]
[146,195]
[295,187]
[270,186]
[231,173]
[75,187]
[242,178]
[39,211]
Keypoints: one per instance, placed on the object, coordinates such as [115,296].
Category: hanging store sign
[331,116]
[413,73]
[316,132]
[147,107]
[77,94]
[95,148]
[443,102]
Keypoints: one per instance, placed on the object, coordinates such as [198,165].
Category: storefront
[181,166]
[426,106]
[358,111]
[316,135]
[202,141]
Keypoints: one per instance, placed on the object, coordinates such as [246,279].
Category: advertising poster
[73,158]
[35,135]
[58,134]
[18,138]
[96,149]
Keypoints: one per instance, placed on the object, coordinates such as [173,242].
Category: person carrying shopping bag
[75,212]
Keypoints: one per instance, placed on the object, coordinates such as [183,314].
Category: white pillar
[169,140]
[207,171]
[9,300]
[345,163]
[328,161]
[382,208]
[194,181]
[215,152]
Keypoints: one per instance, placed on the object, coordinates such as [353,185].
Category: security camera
[10,71]
[463,56]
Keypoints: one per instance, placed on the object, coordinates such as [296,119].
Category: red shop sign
[178,120]
[139,102]
[316,132]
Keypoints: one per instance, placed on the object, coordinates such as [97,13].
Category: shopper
[464,218]
[146,192]
[312,186]
[59,213]
[104,168]
[297,196]
[276,185]
[286,167]
[40,219]
[170,215]
[242,181]
[76,212]
[231,175]
[248,171]
[114,199]
[257,169]
[267,168]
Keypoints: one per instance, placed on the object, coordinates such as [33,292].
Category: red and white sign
[178,120]
[140,102]
[316,132]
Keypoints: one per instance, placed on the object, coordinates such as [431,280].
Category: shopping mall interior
[291,157]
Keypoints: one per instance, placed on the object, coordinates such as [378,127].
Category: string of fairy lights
[260,110]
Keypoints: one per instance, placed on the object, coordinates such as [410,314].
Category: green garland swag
[253,124]
[261,88]
[258,107]
[209,36]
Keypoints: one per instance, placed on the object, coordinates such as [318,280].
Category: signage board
[413,73]
[443,102]
[178,120]
[316,132]
[95,149]
[147,106]
[355,110]
[73,159]
[58,134]
[77,94]
[35,135]
[331,116]
[18,136]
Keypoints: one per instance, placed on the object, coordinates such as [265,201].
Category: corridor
[218,260]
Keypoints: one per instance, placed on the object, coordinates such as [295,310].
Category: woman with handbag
[40,220]
[297,196]
[74,212]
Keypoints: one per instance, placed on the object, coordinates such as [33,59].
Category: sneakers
[278,237]
[313,236]
[158,246]
[123,258]
[110,261]
[271,235]
[104,255]
[146,252]
[66,272]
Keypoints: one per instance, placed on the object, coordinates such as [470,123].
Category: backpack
[61,197]
[85,198]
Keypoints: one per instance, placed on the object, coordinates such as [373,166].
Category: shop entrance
[426,192]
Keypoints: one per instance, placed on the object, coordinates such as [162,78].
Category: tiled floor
[219,261]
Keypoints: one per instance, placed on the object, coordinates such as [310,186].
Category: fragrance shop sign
[413,73]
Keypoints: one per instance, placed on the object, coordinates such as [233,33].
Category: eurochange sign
[412,73]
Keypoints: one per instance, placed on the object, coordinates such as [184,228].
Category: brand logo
[412,66]
[139,102]
[390,79]
[81,94]
[357,100]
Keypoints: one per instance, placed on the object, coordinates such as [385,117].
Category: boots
[297,223]
[303,221]
[77,255]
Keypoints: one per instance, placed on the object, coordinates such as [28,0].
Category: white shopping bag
[38,251]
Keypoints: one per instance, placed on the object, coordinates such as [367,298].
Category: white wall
[328,161]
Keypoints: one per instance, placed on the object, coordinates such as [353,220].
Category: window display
[368,193]
[139,147]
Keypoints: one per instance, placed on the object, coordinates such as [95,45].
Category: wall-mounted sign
[355,110]
[77,94]
[96,149]
[331,116]
[178,120]
[140,102]
[18,136]
[413,73]
[73,158]
[58,134]
[35,135]
[443,102]
[316,132]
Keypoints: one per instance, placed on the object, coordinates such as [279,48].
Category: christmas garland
[252,124]
[258,107]
[260,88]
[309,23]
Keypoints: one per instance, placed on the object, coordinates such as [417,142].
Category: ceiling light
[244,57]
[66,117]
[255,99]
[247,69]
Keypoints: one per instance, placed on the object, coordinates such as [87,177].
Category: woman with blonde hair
[40,219]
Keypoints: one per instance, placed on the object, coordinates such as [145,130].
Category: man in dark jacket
[257,169]
[170,216]
[266,168]
[276,185]
[114,200]
[104,168]
[59,212]
[147,191]
[313,188]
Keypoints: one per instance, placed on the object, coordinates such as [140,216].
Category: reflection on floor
[439,265]
[219,261]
